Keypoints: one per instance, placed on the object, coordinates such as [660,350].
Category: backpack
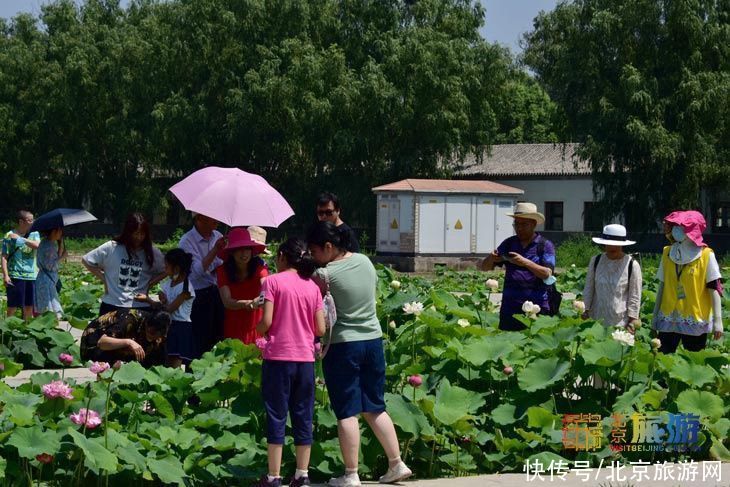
[555,297]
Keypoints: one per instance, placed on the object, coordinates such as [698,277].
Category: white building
[438,217]
[551,176]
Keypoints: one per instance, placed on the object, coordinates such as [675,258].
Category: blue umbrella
[61,217]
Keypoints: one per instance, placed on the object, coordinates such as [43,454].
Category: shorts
[21,293]
[288,390]
[355,376]
[180,340]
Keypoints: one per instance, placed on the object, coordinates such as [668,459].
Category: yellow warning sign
[394,224]
[458,225]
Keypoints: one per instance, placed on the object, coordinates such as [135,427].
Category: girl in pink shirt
[293,316]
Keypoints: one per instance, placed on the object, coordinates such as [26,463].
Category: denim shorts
[21,293]
[355,376]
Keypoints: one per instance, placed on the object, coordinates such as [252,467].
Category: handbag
[330,314]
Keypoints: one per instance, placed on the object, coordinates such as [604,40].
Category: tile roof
[448,186]
[527,160]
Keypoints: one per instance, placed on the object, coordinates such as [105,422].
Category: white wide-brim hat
[613,234]
[527,211]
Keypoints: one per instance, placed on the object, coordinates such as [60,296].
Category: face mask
[678,233]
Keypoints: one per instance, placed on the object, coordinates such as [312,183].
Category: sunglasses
[325,212]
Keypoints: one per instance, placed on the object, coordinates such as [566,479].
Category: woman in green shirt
[354,367]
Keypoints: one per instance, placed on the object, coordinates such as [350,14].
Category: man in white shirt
[204,243]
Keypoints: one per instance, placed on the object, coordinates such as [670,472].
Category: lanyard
[678,268]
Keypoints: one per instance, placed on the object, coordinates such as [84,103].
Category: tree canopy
[104,107]
[645,85]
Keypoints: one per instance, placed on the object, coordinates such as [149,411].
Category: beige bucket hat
[258,235]
[529,211]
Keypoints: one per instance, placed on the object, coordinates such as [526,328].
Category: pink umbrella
[234,197]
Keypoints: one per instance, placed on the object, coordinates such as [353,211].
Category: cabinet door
[431,225]
[486,208]
[503,228]
[458,225]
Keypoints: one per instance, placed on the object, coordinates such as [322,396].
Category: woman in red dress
[239,283]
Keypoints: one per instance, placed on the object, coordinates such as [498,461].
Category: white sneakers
[396,474]
[351,480]
[393,475]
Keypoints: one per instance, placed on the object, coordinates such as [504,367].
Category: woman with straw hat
[612,292]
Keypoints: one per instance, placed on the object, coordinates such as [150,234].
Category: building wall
[573,193]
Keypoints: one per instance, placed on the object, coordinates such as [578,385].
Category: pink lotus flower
[56,389]
[507,370]
[2,366]
[261,343]
[317,348]
[89,417]
[44,458]
[117,365]
[66,359]
[415,380]
[99,367]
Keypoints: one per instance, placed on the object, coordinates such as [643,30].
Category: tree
[644,84]
[104,106]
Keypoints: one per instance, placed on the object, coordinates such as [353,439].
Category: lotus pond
[478,400]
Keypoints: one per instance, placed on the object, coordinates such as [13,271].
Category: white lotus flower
[463,323]
[395,284]
[414,308]
[579,306]
[623,337]
[492,284]
[391,325]
[656,344]
[530,309]
[572,265]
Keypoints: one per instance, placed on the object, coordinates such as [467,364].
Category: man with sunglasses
[328,210]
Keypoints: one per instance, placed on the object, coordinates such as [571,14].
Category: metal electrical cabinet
[443,217]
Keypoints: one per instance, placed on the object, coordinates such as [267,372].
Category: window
[721,220]
[591,218]
[554,216]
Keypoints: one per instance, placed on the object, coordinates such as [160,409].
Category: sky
[505,23]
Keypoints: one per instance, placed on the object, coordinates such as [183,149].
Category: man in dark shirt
[328,210]
[529,260]
[126,335]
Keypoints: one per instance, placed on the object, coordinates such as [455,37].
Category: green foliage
[641,84]
[469,414]
[36,344]
[108,105]
[576,251]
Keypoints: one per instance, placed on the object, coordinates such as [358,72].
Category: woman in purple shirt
[529,260]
